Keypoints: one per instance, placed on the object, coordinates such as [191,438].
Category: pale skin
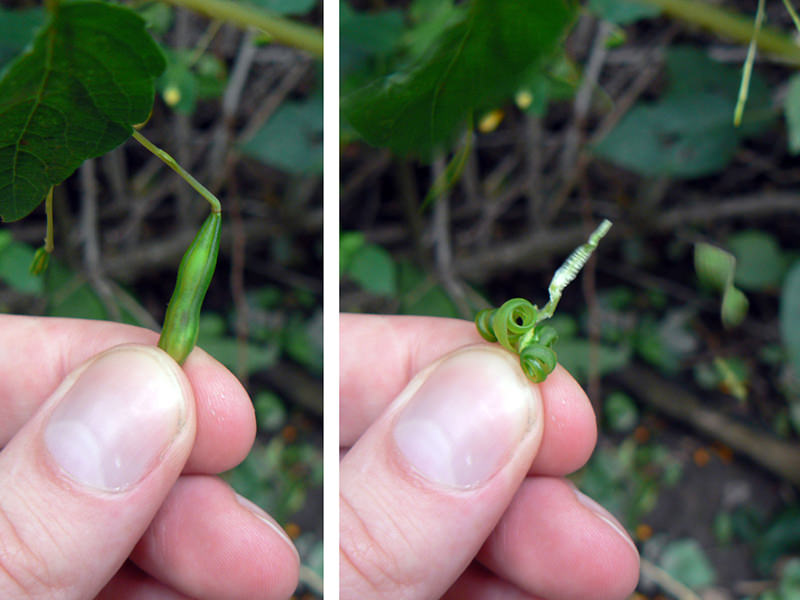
[60,539]
[523,533]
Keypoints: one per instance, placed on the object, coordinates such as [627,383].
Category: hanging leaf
[75,94]
[478,62]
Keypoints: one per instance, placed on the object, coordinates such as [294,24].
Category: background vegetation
[621,110]
[244,115]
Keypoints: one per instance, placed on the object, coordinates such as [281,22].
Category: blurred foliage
[688,132]
[630,119]
[263,316]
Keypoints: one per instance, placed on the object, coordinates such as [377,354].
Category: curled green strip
[515,325]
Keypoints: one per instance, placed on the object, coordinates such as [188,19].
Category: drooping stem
[216,207]
[747,69]
[282,30]
[49,244]
[792,13]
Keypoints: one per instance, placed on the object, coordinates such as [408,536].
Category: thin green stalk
[49,243]
[731,25]
[747,70]
[792,13]
[282,30]
[216,207]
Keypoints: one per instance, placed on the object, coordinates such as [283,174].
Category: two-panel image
[399,299]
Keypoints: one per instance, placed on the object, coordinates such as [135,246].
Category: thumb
[425,485]
[80,482]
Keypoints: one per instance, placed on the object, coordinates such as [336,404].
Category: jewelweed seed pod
[182,320]
[515,325]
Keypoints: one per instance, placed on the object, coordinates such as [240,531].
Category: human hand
[451,481]
[106,471]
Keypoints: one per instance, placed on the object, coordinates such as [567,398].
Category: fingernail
[117,418]
[602,513]
[256,510]
[466,417]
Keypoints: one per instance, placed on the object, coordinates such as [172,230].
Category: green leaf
[302,340]
[576,356]
[75,94]
[177,84]
[228,350]
[478,62]
[620,412]
[350,242]
[17,28]
[689,132]
[790,316]
[760,262]
[716,268]
[374,270]
[734,307]
[791,108]
[291,140]
[686,562]
[270,411]
[15,258]
[623,12]
[420,295]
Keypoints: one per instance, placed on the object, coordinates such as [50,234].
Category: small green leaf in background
[686,562]
[760,262]
[780,538]
[623,12]
[188,79]
[17,28]
[716,269]
[420,295]
[270,411]
[87,79]
[689,132]
[478,62]
[665,343]
[350,242]
[620,412]
[373,269]
[791,108]
[790,316]
[228,350]
[553,81]
[14,260]
[302,340]
[291,140]
[575,355]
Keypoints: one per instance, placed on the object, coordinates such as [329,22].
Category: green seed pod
[182,320]
[40,261]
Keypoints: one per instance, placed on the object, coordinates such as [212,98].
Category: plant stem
[216,207]
[285,31]
[747,70]
[735,26]
[48,209]
[792,13]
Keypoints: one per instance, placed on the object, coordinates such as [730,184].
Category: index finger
[379,355]
[36,353]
